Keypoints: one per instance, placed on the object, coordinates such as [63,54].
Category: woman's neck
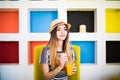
[60,45]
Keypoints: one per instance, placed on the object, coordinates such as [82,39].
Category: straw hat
[57,21]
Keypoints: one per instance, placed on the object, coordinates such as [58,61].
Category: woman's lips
[62,35]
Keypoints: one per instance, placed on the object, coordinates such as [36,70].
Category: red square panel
[9,52]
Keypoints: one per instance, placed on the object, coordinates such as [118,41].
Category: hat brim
[52,28]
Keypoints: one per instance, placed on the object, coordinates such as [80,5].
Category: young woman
[58,52]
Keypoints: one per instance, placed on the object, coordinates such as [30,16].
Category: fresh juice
[69,69]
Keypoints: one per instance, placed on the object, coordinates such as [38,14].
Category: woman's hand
[63,60]
[74,68]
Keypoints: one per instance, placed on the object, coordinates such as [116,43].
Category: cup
[82,28]
[69,69]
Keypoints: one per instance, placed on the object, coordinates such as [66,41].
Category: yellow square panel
[113,20]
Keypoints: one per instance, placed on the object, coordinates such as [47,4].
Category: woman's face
[61,32]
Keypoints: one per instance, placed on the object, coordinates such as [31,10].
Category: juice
[69,69]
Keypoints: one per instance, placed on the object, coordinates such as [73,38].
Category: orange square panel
[32,44]
[9,21]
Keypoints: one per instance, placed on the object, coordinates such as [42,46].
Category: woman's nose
[62,31]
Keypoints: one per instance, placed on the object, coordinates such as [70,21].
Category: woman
[58,52]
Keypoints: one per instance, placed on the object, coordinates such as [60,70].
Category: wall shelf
[9,52]
[112,20]
[88,53]
[77,18]
[9,21]
[40,20]
[31,47]
[112,51]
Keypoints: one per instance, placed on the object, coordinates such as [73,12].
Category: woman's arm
[50,74]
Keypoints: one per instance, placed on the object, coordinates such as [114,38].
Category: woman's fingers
[63,59]
[74,68]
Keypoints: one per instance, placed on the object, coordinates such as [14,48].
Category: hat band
[57,24]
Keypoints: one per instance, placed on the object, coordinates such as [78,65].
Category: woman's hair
[53,44]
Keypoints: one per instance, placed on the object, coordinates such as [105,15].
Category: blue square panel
[87,53]
[40,20]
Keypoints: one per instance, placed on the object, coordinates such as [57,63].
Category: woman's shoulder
[46,49]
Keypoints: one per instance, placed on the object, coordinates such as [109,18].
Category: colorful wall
[25,24]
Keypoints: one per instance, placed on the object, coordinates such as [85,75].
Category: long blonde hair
[53,43]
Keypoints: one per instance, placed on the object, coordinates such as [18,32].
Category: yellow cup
[69,69]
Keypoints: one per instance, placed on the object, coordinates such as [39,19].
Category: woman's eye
[58,29]
[65,29]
